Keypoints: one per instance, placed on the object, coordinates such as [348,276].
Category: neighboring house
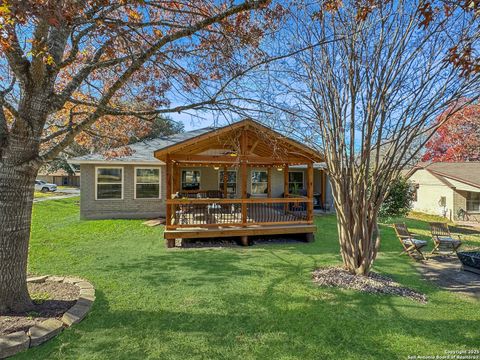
[60,177]
[447,188]
[208,163]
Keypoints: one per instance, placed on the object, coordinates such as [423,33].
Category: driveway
[63,194]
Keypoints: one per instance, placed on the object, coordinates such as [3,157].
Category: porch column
[176,178]
[310,191]
[285,181]
[269,181]
[225,180]
[244,192]
[285,187]
[168,177]
[168,210]
[324,188]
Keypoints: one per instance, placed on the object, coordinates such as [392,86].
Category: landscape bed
[237,303]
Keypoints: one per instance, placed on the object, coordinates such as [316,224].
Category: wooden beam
[168,176]
[221,159]
[252,149]
[240,231]
[225,180]
[285,181]
[176,178]
[269,182]
[244,192]
[291,200]
[310,191]
[324,188]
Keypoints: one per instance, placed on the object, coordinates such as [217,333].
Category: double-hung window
[109,181]
[147,183]
[259,182]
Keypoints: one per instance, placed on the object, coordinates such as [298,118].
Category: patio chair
[443,239]
[411,246]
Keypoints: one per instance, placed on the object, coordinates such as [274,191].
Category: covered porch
[238,181]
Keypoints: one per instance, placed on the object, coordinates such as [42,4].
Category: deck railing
[238,212]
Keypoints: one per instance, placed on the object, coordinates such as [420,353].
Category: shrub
[399,199]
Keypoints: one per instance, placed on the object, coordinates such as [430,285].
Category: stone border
[12,344]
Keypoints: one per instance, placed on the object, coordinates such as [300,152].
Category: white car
[43,186]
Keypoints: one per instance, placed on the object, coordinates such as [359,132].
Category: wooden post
[225,180]
[176,178]
[243,152]
[285,181]
[324,188]
[168,178]
[244,193]
[269,182]
[310,191]
[168,217]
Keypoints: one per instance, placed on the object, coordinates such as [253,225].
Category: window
[473,201]
[295,182]
[259,182]
[109,183]
[231,181]
[147,183]
[443,201]
[190,180]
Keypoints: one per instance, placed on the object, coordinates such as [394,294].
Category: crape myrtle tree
[366,85]
[70,68]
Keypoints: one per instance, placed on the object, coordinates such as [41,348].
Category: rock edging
[12,344]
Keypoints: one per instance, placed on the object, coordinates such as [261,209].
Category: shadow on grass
[266,326]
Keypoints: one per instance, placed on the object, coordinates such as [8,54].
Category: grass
[39,194]
[237,303]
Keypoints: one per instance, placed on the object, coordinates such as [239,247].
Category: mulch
[373,283]
[53,299]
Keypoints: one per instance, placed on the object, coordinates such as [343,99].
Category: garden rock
[13,343]
[44,331]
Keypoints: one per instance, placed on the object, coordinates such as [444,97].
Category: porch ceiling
[246,140]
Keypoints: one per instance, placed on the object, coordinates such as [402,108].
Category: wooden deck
[204,218]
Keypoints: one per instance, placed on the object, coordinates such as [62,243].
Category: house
[447,189]
[243,177]
[60,177]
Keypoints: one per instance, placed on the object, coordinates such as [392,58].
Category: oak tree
[70,68]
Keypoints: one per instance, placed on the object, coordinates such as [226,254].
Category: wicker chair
[443,239]
[411,246]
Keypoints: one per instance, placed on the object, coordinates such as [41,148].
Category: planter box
[470,260]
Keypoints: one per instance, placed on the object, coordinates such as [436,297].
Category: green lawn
[39,194]
[238,303]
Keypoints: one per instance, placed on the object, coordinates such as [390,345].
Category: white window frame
[468,199]
[251,182]
[303,178]
[220,179]
[181,178]
[135,182]
[96,181]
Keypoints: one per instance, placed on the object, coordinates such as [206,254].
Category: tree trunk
[17,179]
[359,239]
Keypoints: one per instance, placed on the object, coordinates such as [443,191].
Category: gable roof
[267,142]
[452,172]
[142,151]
